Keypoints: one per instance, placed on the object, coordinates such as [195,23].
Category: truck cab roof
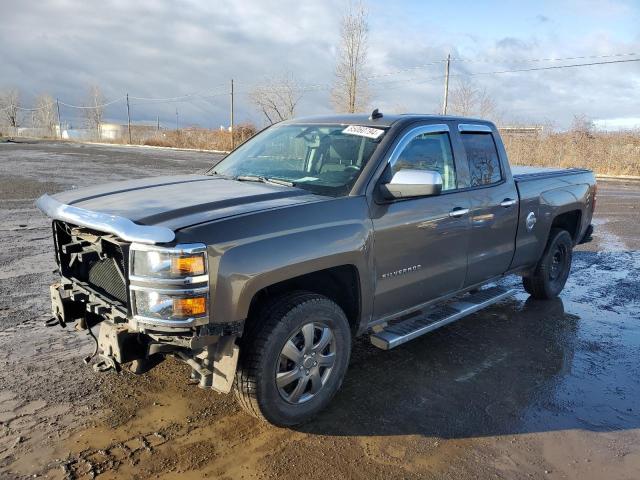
[385,121]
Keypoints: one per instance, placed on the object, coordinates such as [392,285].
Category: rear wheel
[551,272]
[294,359]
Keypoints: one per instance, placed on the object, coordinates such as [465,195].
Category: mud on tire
[284,386]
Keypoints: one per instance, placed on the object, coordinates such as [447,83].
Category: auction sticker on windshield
[363,131]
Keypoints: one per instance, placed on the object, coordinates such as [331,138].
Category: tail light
[595,195]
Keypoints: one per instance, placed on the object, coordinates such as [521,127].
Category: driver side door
[420,244]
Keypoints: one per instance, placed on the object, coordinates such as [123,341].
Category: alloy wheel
[305,362]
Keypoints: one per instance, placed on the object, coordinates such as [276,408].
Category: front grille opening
[100,260]
[105,275]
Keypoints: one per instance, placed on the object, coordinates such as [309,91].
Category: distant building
[112,131]
[109,132]
[527,130]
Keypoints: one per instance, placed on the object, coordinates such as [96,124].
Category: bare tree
[350,91]
[277,98]
[469,100]
[45,114]
[10,107]
[94,112]
[582,125]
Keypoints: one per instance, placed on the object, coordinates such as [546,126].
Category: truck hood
[176,202]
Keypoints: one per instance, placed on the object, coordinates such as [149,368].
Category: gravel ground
[524,389]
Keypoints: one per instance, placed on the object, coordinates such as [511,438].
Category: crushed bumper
[212,354]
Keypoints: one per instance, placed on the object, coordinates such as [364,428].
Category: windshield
[325,159]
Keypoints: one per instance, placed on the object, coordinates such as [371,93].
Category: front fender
[249,253]
[248,268]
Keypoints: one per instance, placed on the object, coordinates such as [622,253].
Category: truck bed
[526,173]
[548,193]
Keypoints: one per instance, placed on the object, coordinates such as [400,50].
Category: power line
[324,86]
[422,79]
[406,69]
[184,97]
[17,107]
[161,100]
[181,99]
[525,60]
[94,106]
[316,87]
[29,109]
[550,59]
[417,80]
[552,67]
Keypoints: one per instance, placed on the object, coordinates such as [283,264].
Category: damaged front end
[149,302]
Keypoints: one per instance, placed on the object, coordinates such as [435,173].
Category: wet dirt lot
[524,389]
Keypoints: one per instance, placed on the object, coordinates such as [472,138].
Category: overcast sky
[157,49]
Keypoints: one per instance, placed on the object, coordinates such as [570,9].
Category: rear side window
[482,154]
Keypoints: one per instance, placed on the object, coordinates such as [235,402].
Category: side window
[429,151]
[484,164]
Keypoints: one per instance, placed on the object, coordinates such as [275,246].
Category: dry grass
[608,153]
[199,138]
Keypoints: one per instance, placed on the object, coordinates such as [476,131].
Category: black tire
[550,274]
[262,357]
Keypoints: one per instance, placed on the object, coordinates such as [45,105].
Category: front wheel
[294,359]
[550,274]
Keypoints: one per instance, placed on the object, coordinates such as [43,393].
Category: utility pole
[128,119]
[446,85]
[157,123]
[59,122]
[233,136]
[177,119]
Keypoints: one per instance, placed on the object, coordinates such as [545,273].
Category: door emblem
[402,271]
[531,221]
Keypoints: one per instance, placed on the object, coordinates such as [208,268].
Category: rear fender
[559,201]
[545,207]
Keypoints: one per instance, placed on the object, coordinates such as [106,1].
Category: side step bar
[399,333]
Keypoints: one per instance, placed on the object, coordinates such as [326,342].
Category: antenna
[375,115]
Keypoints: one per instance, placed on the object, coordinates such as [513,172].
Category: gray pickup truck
[259,272]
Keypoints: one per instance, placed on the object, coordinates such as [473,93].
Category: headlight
[170,263]
[170,305]
[169,286]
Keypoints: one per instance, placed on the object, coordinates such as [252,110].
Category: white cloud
[626,123]
[158,49]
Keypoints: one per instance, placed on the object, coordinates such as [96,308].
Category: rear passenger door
[494,204]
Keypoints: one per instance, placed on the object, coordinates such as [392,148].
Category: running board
[402,332]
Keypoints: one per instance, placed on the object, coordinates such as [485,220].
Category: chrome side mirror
[410,183]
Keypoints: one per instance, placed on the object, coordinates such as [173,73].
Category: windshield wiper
[261,179]
[280,181]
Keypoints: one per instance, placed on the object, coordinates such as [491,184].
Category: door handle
[458,212]
[508,202]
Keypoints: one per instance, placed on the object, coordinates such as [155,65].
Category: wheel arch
[569,221]
[340,283]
